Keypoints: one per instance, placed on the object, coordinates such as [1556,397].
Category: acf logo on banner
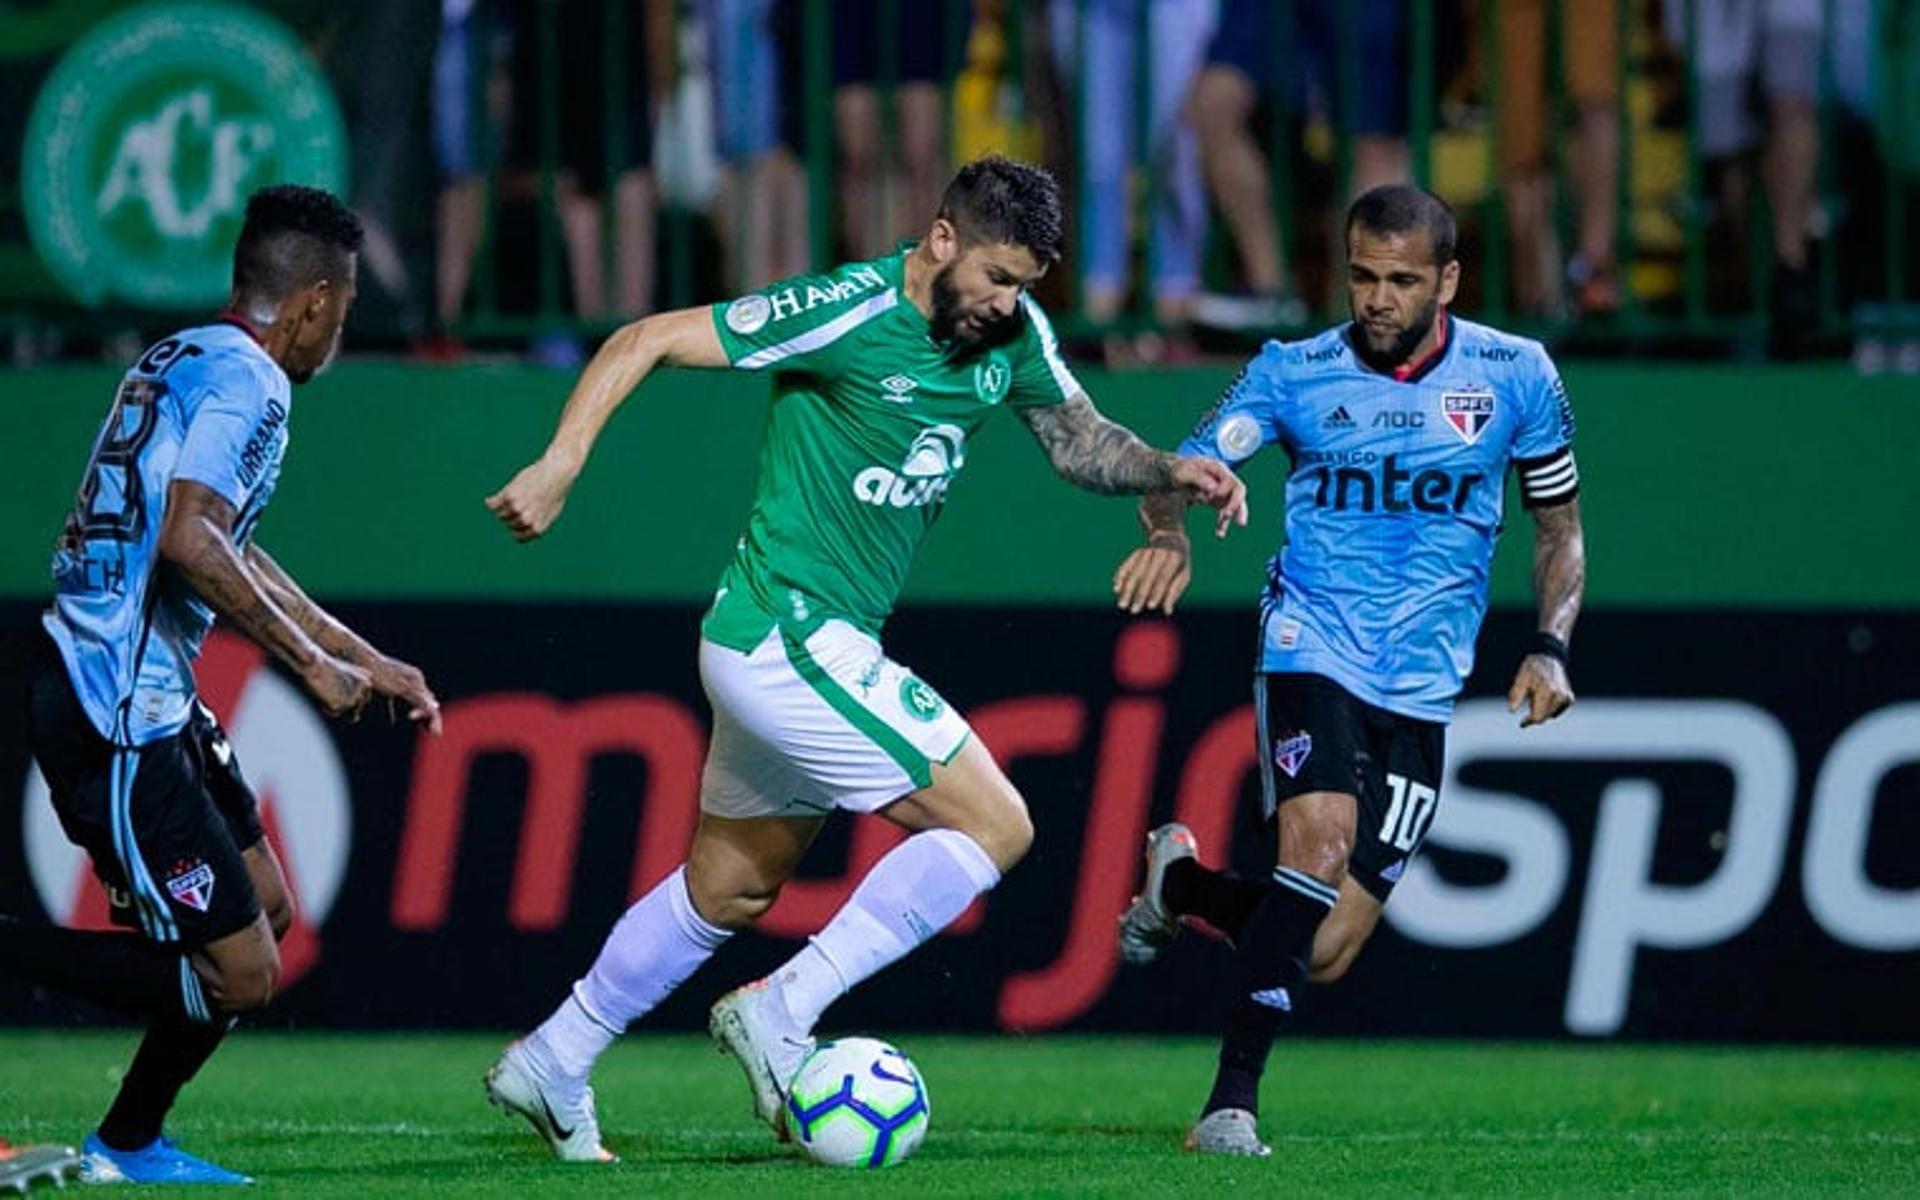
[150,134]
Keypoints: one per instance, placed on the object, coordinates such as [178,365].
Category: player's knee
[1004,830]
[734,908]
[246,985]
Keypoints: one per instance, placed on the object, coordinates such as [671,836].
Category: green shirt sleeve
[801,324]
[1040,374]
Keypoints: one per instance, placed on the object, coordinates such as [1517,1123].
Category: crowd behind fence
[1715,176]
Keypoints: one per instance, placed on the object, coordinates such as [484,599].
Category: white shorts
[805,728]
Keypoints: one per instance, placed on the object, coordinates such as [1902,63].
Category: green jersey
[868,428]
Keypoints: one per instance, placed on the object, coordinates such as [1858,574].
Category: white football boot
[751,1024]
[1232,1131]
[1149,925]
[522,1083]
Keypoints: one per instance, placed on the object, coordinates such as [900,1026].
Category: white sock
[654,946]
[917,890]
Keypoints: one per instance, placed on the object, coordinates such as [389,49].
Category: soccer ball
[857,1102]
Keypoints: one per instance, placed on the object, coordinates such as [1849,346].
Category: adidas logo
[1274,998]
[1339,418]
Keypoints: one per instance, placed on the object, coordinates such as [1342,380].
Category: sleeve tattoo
[1090,451]
[1559,566]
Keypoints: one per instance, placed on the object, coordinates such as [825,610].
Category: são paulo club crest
[191,883]
[1290,752]
[1468,412]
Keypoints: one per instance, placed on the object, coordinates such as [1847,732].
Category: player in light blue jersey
[1401,427]
[159,542]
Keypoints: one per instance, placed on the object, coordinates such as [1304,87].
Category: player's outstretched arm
[196,543]
[1090,451]
[533,498]
[1559,580]
[390,677]
[1156,575]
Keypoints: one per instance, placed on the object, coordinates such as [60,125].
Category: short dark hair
[1403,208]
[293,237]
[995,199]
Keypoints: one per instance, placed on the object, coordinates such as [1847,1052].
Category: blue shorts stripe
[1306,885]
[149,902]
[193,997]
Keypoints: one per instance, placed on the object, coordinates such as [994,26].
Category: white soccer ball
[857,1102]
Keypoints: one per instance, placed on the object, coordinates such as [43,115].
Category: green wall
[1782,487]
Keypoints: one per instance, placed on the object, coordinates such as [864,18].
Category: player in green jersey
[885,370]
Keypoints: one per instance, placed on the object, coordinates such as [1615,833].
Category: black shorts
[165,823]
[1315,736]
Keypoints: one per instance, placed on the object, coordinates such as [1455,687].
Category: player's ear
[944,240]
[318,297]
[1449,282]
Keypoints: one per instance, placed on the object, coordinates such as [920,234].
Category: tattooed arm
[1089,451]
[1559,580]
[389,676]
[196,544]
[1157,574]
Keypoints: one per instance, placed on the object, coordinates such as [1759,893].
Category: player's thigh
[1399,800]
[1311,753]
[270,885]
[972,795]
[1341,937]
[737,866]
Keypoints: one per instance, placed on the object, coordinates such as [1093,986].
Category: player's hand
[1213,484]
[403,682]
[1154,576]
[341,688]
[1541,686]
[532,500]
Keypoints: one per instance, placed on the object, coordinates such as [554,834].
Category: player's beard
[944,322]
[1398,351]
[324,365]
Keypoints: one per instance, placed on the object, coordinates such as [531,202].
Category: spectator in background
[465,101]
[1735,43]
[1244,67]
[761,213]
[1591,55]
[1096,45]
[603,73]
[879,201]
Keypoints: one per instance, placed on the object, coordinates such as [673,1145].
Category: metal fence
[1694,241]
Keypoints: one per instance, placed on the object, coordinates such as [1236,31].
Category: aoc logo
[288,758]
[148,137]
[935,457]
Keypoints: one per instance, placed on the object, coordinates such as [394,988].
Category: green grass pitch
[402,1115]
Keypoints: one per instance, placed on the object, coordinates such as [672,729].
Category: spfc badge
[1468,412]
[1290,753]
[191,884]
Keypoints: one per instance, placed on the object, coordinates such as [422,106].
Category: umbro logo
[1339,418]
[899,388]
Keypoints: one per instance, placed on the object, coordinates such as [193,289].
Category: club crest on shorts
[1290,752]
[921,701]
[1393,873]
[191,884]
[1468,412]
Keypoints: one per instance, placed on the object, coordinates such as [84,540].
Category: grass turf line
[402,1115]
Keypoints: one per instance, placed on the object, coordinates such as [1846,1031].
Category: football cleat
[1232,1131]
[159,1161]
[1149,925]
[23,1166]
[520,1083]
[763,1042]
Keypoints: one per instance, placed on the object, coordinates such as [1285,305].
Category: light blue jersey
[1394,500]
[205,405]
